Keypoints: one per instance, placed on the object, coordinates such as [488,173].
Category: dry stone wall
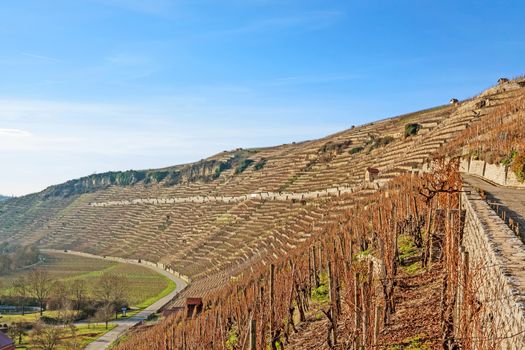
[276,196]
[499,174]
[497,263]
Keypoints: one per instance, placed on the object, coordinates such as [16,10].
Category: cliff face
[202,171]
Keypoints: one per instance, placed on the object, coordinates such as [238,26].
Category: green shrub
[356,150]
[320,293]
[260,164]
[245,163]
[508,159]
[518,166]
[233,338]
[220,168]
[156,176]
[382,141]
[412,129]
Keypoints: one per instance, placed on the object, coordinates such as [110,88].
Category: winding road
[124,325]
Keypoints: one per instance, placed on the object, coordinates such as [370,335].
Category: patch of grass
[363,254]
[408,253]
[85,334]
[31,318]
[226,219]
[146,286]
[169,288]
[413,268]
[321,293]
[89,333]
[233,338]
[406,247]
[414,343]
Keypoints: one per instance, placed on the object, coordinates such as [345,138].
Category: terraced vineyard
[217,218]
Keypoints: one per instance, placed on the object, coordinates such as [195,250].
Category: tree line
[72,300]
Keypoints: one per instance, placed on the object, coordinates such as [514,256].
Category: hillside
[236,211]
[3,198]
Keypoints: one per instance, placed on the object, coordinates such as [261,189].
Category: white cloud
[39,57]
[14,133]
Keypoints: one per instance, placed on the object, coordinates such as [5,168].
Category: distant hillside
[4,198]
[221,216]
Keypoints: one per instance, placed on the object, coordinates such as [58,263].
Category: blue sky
[95,85]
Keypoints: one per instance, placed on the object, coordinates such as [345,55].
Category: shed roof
[5,341]
[193,301]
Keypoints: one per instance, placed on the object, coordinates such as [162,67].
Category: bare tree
[46,337]
[17,330]
[78,291]
[40,286]
[73,342]
[112,289]
[20,290]
[104,314]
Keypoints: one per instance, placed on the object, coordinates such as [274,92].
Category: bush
[220,168]
[260,164]
[518,166]
[382,141]
[412,129]
[356,150]
[243,165]
[509,159]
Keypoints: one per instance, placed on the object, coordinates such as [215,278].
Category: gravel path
[124,325]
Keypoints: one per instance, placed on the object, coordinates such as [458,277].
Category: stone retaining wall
[497,263]
[276,196]
[499,174]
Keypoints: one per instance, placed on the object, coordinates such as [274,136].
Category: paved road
[124,325]
[513,199]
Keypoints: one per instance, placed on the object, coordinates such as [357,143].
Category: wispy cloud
[308,20]
[311,79]
[128,59]
[14,133]
[39,57]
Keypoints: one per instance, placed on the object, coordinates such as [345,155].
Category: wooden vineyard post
[357,311]
[272,305]
[428,227]
[377,317]
[253,334]
[365,313]
[464,286]
[370,273]
[332,292]
[310,267]
[320,256]
[315,267]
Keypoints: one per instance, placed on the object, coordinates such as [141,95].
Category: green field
[146,286]
[84,335]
